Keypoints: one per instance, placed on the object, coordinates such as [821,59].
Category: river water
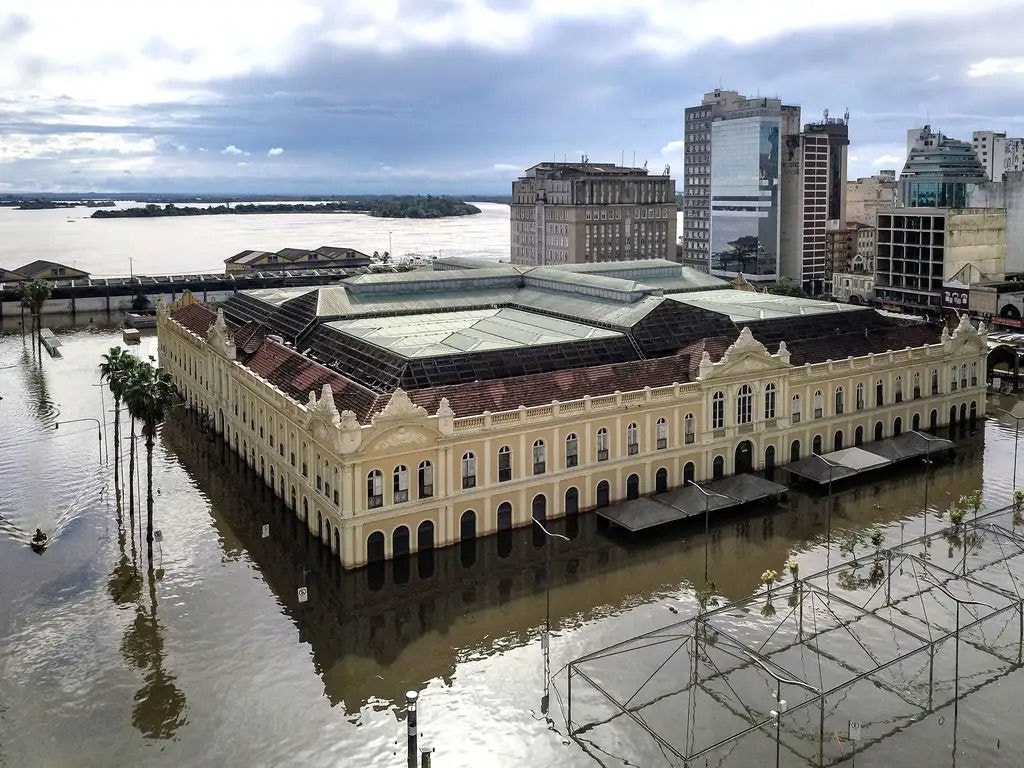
[213,661]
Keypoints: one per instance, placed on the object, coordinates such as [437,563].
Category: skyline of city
[318,98]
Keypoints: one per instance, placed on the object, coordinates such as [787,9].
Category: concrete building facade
[813,202]
[919,249]
[731,183]
[575,213]
[383,460]
[867,195]
[1008,195]
[998,153]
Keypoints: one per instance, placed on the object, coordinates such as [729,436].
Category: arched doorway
[837,441]
[504,520]
[271,476]
[337,540]
[963,413]
[294,506]
[816,445]
[425,549]
[974,413]
[858,436]
[467,536]
[603,494]
[327,533]
[718,468]
[633,487]
[400,542]
[933,419]
[375,547]
[572,501]
[769,457]
[915,423]
[661,481]
[319,525]
[952,416]
[744,458]
[305,509]
[263,468]
[400,554]
[878,430]
[897,427]
[689,472]
[794,451]
[539,512]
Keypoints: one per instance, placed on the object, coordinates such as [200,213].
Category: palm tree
[33,294]
[149,394]
[116,369]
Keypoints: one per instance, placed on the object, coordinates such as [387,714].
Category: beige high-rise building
[573,213]
[865,196]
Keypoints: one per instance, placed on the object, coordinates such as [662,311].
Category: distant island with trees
[385,207]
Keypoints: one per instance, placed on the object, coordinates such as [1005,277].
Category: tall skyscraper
[939,172]
[569,213]
[813,201]
[731,183]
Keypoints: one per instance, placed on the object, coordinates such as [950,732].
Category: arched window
[837,441]
[375,489]
[504,464]
[425,536]
[858,436]
[974,374]
[795,409]
[897,427]
[661,434]
[603,494]
[879,393]
[745,405]
[794,451]
[661,480]
[952,378]
[819,404]
[915,423]
[718,410]
[769,457]
[899,389]
[469,470]
[602,444]
[426,480]
[688,434]
[816,445]
[879,429]
[539,457]
[963,376]
[375,547]
[400,542]
[689,472]
[839,400]
[769,401]
[632,439]
[400,484]
[935,381]
[572,450]
[860,396]
[917,384]
[504,543]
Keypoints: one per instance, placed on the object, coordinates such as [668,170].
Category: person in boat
[38,537]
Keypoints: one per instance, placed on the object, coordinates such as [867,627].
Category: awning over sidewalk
[687,501]
[848,462]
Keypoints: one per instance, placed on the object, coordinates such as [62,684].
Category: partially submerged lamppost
[99,431]
[707,516]
[546,640]
[1016,413]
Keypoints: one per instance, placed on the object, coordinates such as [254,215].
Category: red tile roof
[249,337]
[541,388]
[297,376]
[195,317]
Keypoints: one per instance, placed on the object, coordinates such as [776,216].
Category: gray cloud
[460,118]
[13,26]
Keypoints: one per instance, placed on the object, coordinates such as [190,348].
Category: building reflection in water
[384,629]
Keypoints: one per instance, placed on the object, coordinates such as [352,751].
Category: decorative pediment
[965,336]
[218,337]
[400,439]
[323,409]
[745,357]
[400,407]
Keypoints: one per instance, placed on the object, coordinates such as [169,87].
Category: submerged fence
[818,669]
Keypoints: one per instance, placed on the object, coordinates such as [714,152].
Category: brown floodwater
[213,661]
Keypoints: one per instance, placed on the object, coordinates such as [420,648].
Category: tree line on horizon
[397,207]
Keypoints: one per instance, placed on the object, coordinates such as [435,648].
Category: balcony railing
[602,455]
[372,502]
[539,467]
[469,481]
[401,496]
[661,444]
[633,449]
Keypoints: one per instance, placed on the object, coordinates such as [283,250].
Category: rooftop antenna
[846,116]
[634,158]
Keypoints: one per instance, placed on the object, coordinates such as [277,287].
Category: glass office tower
[745,205]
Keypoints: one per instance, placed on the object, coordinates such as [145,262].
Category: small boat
[38,541]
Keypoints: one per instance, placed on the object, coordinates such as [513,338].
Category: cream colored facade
[323,463]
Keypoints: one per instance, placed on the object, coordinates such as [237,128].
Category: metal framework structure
[814,671]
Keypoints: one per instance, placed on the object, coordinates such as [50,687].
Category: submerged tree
[116,369]
[34,294]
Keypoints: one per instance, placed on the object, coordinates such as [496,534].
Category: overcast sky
[336,96]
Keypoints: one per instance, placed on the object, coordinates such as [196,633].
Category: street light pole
[546,640]
[99,432]
[1016,414]
[707,516]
